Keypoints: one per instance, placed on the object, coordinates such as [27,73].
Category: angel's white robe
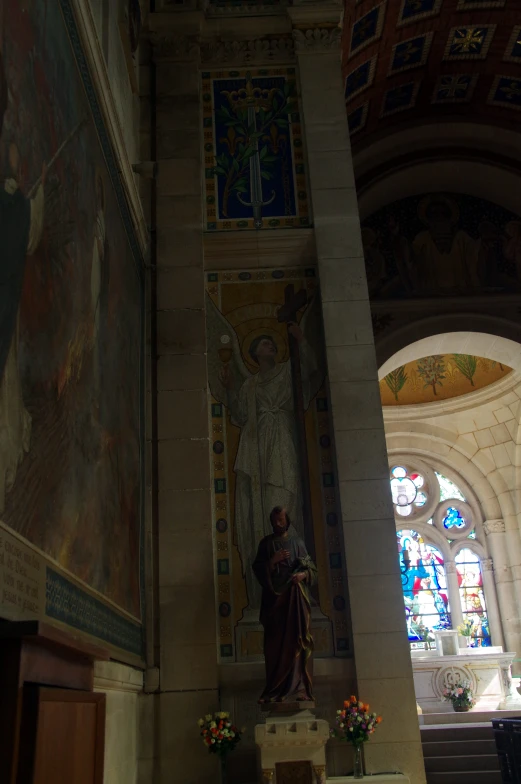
[15,420]
[267,464]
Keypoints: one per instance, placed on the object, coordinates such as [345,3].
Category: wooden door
[62,736]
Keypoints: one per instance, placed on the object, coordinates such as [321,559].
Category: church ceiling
[417,61]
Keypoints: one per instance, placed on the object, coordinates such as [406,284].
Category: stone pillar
[456,613]
[188,655]
[489,588]
[497,546]
[381,649]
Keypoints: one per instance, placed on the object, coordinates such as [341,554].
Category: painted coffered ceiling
[412,62]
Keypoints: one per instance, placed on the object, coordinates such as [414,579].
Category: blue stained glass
[453,518]
[424,586]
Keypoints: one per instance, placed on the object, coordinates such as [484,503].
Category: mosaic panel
[255,175]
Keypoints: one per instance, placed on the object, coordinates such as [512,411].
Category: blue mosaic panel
[454,88]
[506,91]
[357,119]
[400,98]
[254,161]
[359,79]
[67,603]
[469,43]
[413,10]
[411,53]
[513,52]
[368,28]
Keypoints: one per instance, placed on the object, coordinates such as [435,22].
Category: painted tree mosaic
[439,377]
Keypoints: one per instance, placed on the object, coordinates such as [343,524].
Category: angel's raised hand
[226,376]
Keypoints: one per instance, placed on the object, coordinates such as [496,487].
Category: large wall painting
[439,377]
[442,245]
[271,445]
[255,173]
[70,343]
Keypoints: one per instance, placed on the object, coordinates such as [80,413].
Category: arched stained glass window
[424,587]
[470,579]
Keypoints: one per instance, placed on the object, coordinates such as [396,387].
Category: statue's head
[263,346]
[279,520]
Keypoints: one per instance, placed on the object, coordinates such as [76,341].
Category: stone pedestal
[292,733]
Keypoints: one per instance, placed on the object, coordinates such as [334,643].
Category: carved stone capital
[317,40]
[320,773]
[450,567]
[175,48]
[267,775]
[487,565]
[494,527]
[259,50]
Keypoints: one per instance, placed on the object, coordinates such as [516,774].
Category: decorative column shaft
[504,584]
[456,613]
[381,648]
[494,620]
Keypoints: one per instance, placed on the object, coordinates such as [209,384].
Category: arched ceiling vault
[422,65]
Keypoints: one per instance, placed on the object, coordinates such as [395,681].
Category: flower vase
[359,766]
[461,708]
[469,642]
[224,769]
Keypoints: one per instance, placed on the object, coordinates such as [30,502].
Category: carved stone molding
[487,564]
[448,677]
[317,40]
[176,48]
[259,50]
[494,527]
[450,567]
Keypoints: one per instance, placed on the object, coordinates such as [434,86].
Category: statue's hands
[226,376]
[295,330]
[297,578]
[280,555]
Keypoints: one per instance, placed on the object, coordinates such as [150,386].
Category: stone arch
[471,333]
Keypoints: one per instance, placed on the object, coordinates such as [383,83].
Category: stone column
[188,655]
[456,613]
[489,588]
[509,614]
[381,649]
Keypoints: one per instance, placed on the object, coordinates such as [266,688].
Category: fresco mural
[271,443]
[70,338]
[442,245]
[254,160]
[439,377]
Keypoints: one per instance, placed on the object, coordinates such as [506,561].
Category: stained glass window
[406,490]
[472,598]
[424,587]
[448,489]
[453,518]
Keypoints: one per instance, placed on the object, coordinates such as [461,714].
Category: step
[469,777]
[460,763]
[447,732]
[450,748]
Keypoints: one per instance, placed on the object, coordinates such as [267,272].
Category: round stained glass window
[453,518]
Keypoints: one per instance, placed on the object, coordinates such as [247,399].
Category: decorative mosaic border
[213,222]
[67,603]
[220,492]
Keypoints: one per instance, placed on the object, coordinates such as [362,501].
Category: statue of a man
[285,572]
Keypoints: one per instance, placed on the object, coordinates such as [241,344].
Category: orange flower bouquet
[355,724]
